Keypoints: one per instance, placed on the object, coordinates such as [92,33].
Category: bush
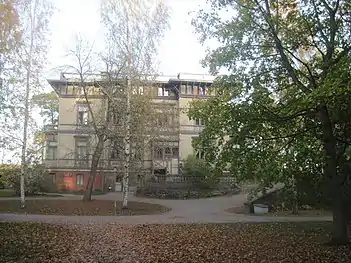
[200,172]
[35,181]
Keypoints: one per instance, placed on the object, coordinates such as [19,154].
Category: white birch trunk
[26,105]
[127,149]
[128,113]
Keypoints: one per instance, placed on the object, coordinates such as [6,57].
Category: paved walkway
[209,210]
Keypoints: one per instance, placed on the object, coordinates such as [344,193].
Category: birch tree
[99,116]
[136,28]
[10,37]
[107,106]
[29,62]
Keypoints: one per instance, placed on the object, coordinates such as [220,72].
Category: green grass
[80,208]
[6,193]
[93,193]
[11,193]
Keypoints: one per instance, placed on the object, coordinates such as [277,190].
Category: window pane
[51,152]
[160,92]
[189,89]
[80,180]
[175,152]
[158,152]
[166,92]
[168,151]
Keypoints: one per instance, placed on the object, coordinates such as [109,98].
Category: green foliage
[281,113]
[35,181]
[200,172]
[48,103]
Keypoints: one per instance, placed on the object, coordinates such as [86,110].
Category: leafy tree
[24,76]
[134,29]
[282,109]
[48,103]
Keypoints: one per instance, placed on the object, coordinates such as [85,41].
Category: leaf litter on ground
[107,243]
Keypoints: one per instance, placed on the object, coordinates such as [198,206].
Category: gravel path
[209,210]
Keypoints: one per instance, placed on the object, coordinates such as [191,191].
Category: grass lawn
[82,193]
[222,243]
[6,193]
[11,193]
[80,208]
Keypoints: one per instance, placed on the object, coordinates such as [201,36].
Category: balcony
[67,163]
[75,164]
[191,129]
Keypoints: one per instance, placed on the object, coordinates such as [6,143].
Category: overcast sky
[180,50]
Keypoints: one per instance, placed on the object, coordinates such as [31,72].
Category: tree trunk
[339,232]
[127,150]
[93,169]
[295,205]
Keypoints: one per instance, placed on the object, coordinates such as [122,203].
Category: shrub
[35,181]
[200,172]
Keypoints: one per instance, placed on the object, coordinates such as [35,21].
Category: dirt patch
[80,208]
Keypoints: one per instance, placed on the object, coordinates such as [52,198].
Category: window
[51,152]
[53,177]
[200,154]
[116,152]
[81,150]
[161,152]
[80,180]
[83,115]
[189,89]
[138,91]
[175,152]
[158,153]
[202,90]
[200,122]
[162,91]
[168,152]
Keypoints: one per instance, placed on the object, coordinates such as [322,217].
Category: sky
[180,50]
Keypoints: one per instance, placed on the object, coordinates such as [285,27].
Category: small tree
[134,29]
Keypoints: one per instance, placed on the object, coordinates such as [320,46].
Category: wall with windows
[74,111]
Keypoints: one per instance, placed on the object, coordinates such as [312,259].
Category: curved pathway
[209,210]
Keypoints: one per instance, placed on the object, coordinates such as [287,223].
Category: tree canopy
[48,103]
[283,109]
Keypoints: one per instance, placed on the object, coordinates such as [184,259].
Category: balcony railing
[85,164]
[191,129]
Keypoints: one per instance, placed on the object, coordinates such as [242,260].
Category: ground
[192,231]
[240,242]
[80,208]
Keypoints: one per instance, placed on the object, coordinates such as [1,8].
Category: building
[68,144]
